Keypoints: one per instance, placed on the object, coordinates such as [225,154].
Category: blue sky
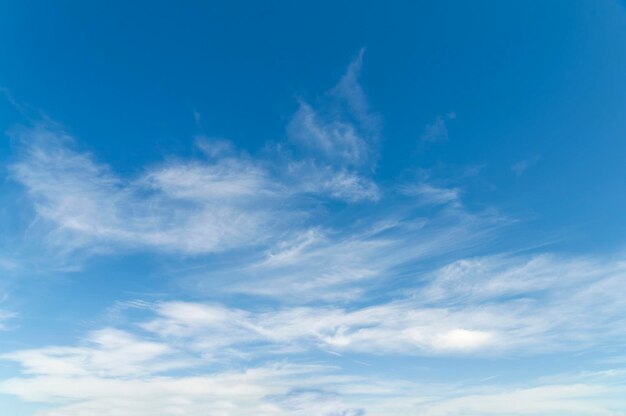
[312,208]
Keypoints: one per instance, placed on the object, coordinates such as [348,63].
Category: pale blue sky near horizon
[297,208]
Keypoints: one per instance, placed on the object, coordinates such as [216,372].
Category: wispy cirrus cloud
[178,356]
[5,316]
[344,128]
[437,131]
[113,369]
[571,399]
[480,306]
[325,264]
[430,194]
[258,390]
[339,141]
[522,166]
[208,206]
[491,305]
[339,183]
[191,207]
[226,200]
[6,313]
[335,140]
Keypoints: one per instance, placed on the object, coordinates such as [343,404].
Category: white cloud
[350,90]
[323,264]
[338,183]
[190,207]
[170,362]
[108,353]
[490,305]
[429,194]
[437,131]
[344,129]
[215,148]
[569,399]
[116,373]
[235,393]
[522,166]
[194,206]
[319,403]
[339,141]
[5,316]
[336,140]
